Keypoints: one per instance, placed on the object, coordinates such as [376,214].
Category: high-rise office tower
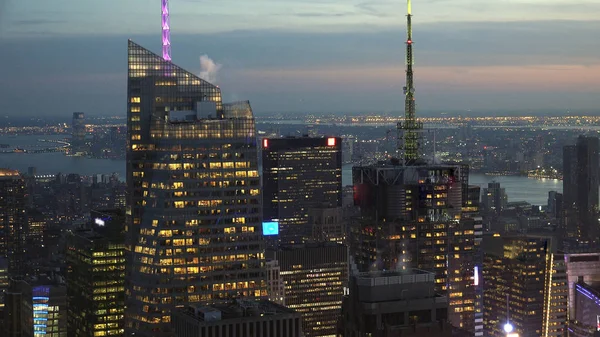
[95,277]
[411,217]
[300,173]
[580,187]
[37,306]
[472,316]
[13,222]
[315,275]
[527,274]
[588,181]
[78,132]
[395,303]
[193,199]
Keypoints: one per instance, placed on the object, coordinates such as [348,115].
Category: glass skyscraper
[300,174]
[194,226]
[13,222]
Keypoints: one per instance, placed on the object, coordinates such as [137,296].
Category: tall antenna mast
[166,30]
[410,128]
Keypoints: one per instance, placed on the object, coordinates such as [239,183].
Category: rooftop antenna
[410,128]
[166,31]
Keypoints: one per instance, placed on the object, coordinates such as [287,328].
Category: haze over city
[309,56]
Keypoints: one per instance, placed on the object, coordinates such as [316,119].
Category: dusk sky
[308,55]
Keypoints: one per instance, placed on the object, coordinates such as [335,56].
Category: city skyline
[283,57]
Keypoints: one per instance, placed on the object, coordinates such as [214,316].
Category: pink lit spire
[166,31]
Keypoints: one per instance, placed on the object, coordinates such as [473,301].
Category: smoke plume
[208,69]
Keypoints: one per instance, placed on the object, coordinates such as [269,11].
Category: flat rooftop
[238,309]
[389,277]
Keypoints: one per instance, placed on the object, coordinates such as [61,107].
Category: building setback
[299,174]
[193,195]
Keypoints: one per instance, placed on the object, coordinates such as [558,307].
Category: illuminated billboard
[270,228]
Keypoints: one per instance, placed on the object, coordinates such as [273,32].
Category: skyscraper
[580,188]
[411,217]
[193,194]
[96,276]
[78,132]
[13,222]
[527,274]
[315,276]
[298,174]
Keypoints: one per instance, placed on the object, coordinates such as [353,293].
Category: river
[517,188]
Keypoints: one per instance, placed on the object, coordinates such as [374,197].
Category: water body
[518,188]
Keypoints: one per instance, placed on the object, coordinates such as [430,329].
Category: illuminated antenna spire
[166,31]
[410,128]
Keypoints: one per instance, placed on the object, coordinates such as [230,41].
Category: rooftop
[238,309]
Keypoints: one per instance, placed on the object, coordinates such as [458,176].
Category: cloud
[208,69]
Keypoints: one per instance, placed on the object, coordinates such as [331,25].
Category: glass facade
[314,276]
[526,272]
[411,217]
[299,174]
[95,284]
[194,226]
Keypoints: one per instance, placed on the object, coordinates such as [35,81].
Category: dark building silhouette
[78,132]
[411,217]
[193,193]
[395,304]
[13,221]
[238,318]
[299,174]
[581,179]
